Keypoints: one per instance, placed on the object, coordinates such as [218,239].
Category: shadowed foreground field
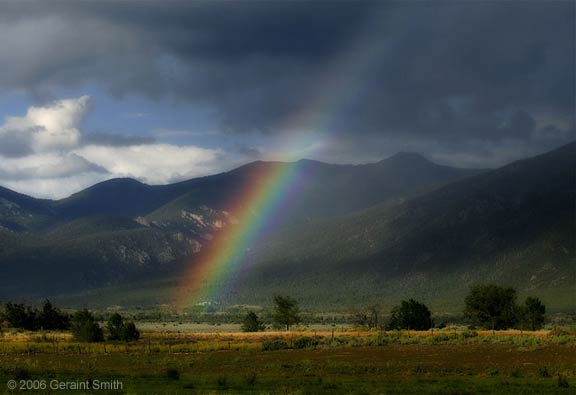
[441,362]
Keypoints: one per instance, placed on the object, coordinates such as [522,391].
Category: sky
[163,91]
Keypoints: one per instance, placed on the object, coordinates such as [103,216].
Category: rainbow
[252,210]
[259,203]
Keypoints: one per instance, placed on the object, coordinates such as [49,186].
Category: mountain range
[372,233]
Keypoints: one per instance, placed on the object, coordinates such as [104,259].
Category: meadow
[179,359]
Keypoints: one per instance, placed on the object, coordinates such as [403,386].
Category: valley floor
[441,362]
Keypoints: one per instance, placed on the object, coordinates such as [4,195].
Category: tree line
[82,323]
[486,306]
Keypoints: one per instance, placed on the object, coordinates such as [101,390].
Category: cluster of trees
[286,314]
[494,307]
[25,317]
[82,324]
[85,328]
[487,306]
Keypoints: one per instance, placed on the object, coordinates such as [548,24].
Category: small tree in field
[286,311]
[411,314]
[533,313]
[52,318]
[491,306]
[115,327]
[368,317]
[85,328]
[119,330]
[21,316]
[251,323]
[130,333]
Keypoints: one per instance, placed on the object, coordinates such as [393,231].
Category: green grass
[449,362]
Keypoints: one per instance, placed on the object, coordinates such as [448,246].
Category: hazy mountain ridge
[512,225]
[370,230]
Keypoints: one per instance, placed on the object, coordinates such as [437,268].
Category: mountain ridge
[387,234]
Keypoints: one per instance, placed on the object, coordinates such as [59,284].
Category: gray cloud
[48,168]
[249,151]
[115,140]
[450,73]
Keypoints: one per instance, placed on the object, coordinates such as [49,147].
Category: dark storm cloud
[442,71]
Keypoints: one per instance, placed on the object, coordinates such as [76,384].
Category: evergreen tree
[533,313]
[286,311]
[491,306]
[252,323]
[51,318]
[85,328]
[410,314]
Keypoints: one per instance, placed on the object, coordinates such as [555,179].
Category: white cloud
[46,166]
[153,163]
[51,128]
[43,154]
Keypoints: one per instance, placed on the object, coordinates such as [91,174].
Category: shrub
[251,379]
[532,314]
[26,317]
[543,371]
[411,314]
[559,331]
[252,323]
[468,334]
[114,326]
[51,318]
[130,333]
[493,372]
[272,345]
[85,328]
[305,342]
[491,306]
[562,381]
[172,373]
[222,382]
[119,330]
[21,316]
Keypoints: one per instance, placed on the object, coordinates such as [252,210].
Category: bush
[305,342]
[251,379]
[273,345]
[532,314]
[543,372]
[118,330]
[411,314]
[252,323]
[26,317]
[491,307]
[559,331]
[222,382]
[172,373]
[130,333]
[562,381]
[20,316]
[85,328]
[468,334]
[51,318]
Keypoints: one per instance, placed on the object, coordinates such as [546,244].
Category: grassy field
[315,361]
